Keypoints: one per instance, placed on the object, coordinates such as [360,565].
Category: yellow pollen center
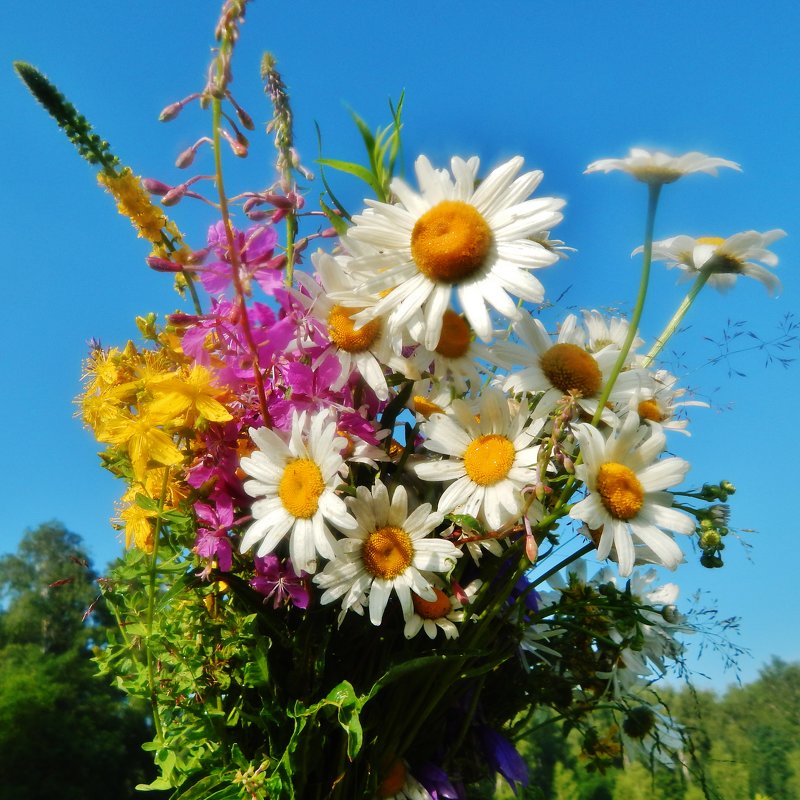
[455,337]
[650,409]
[716,241]
[341,330]
[300,488]
[488,459]
[426,407]
[450,241]
[620,490]
[571,369]
[387,552]
[432,609]
[393,780]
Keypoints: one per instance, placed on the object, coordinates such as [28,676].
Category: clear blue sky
[562,83]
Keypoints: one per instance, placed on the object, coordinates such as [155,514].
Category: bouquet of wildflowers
[361,477]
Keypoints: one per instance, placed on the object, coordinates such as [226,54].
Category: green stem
[587,548]
[291,233]
[652,204]
[151,604]
[676,320]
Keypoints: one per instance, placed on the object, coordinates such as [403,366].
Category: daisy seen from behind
[490,459]
[454,236]
[294,485]
[389,550]
[723,260]
[627,498]
[655,167]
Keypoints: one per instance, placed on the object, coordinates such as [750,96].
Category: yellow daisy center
[720,262]
[300,488]
[432,609]
[387,552]
[341,330]
[426,407]
[455,337]
[488,459]
[716,241]
[450,241]
[650,409]
[620,490]
[571,369]
[393,779]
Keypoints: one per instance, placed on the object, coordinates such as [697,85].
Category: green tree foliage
[63,732]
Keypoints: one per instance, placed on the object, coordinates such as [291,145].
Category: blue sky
[562,83]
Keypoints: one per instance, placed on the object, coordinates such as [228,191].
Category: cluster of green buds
[713,524]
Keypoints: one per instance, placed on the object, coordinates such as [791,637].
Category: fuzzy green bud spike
[91,147]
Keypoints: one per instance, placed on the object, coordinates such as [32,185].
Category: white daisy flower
[454,235]
[649,735]
[626,492]
[364,349]
[602,331]
[725,259]
[660,401]
[457,358]
[439,614]
[565,367]
[430,396]
[397,783]
[657,168]
[295,484]
[389,550]
[490,458]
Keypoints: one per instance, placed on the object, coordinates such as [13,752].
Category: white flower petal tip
[655,167]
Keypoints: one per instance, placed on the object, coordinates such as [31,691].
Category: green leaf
[467,522]
[335,219]
[352,169]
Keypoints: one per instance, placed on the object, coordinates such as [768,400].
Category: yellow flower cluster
[148,405]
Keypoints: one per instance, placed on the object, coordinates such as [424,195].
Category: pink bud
[170,112]
[329,233]
[162,264]
[174,195]
[459,592]
[186,158]
[258,216]
[531,548]
[279,214]
[155,187]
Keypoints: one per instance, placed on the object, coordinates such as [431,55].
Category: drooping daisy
[725,259]
[363,349]
[626,497]
[564,367]
[295,486]
[454,235]
[442,613]
[490,458]
[388,550]
[650,735]
[602,331]
[657,168]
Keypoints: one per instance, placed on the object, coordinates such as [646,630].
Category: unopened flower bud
[639,722]
[162,264]
[710,561]
[155,187]
[174,195]
[728,487]
[170,112]
[328,233]
[671,614]
[186,158]
[711,541]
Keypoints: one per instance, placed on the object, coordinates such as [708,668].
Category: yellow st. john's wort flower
[188,395]
[143,440]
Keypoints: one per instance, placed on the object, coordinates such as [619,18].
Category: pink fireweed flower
[279,582]
[255,249]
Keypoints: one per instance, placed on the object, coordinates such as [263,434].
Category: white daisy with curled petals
[294,485]
[388,551]
[564,367]
[655,167]
[627,497]
[454,236]
[440,614]
[723,259]
[491,458]
[660,400]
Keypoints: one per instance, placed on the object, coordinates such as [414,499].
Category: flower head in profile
[655,167]
[724,259]
[454,236]
[442,613]
[294,485]
[626,482]
[389,551]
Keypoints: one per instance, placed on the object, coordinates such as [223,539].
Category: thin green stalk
[676,320]
[291,233]
[587,548]
[652,204]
